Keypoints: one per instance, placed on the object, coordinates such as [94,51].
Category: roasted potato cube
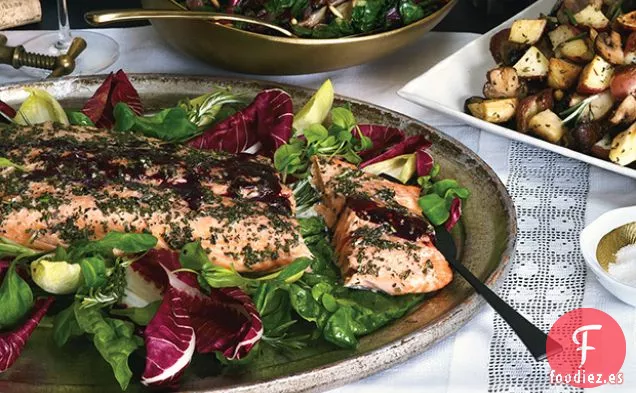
[533,64]
[503,82]
[527,31]
[626,112]
[592,17]
[547,125]
[561,34]
[623,151]
[624,82]
[494,111]
[530,106]
[610,47]
[578,51]
[595,77]
[627,21]
[562,74]
[599,107]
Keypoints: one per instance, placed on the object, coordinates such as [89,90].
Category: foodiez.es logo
[586,348]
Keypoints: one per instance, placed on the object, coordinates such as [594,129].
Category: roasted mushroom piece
[530,106]
[610,47]
[503,50]
[503,82]
[626,112]
[584,136]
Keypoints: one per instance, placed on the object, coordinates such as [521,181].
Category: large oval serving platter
[489,234]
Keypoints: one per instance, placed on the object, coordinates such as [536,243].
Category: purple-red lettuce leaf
[12,342]
[146,280]
[423,162]
[455,213]
[7,113]
[115,88]
[381,136]
[267,121]
[169,337]
[225,321]
[407,146]
[236,332]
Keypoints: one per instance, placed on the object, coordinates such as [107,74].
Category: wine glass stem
[65,28]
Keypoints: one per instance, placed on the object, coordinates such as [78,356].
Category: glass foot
[100,53]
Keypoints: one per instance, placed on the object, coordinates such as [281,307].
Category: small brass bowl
[614,241]
[599,243]
[253,53]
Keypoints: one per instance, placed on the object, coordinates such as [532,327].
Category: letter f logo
[583,344]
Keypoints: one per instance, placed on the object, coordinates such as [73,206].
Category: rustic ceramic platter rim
[365,364]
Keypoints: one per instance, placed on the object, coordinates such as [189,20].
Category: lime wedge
[316,109]
[401,167]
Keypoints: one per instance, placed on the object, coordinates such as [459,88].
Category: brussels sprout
[58,278]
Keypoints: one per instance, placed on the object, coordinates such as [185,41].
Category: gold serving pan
[254,53]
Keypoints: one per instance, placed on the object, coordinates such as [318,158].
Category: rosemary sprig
[575,111]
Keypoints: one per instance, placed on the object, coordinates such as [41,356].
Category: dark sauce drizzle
[405,226]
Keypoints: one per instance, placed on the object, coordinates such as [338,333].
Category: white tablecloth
[458,363]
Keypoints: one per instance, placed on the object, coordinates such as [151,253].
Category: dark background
[477,16]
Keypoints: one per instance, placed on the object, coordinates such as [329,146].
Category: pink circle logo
[586,348]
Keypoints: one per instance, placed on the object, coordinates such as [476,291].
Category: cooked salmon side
[382,241]
[338,180]
[80,183]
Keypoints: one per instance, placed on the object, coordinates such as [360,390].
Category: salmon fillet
[382,242]
[338,180]
[81,182]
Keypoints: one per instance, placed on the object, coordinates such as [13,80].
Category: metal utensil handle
[533,338]
[97,18]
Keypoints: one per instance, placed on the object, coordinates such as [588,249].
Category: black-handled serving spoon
[533,338]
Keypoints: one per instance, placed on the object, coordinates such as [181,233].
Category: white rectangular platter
[448,84]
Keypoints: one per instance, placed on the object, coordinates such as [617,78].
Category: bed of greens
[126,297]
[324,19]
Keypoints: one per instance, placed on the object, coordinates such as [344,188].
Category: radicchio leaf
[146,280]
[407,146]
[225,321]
[12,343]
[455,214]
[115,88]
[236,332]
[267,120]
[381,136]
[6,113]
[423,162]
[169,337]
